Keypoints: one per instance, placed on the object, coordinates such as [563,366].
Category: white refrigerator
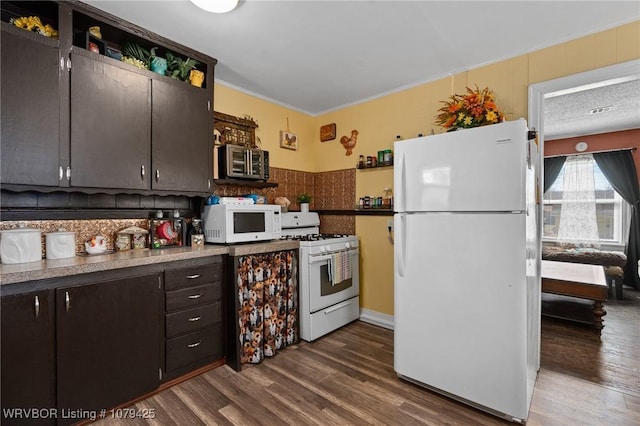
[466,266]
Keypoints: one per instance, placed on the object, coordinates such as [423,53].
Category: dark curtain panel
[552,167]
[619,169]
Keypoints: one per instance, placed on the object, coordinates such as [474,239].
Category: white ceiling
[318,56]
[611,107]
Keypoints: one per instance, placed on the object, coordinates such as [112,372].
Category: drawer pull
[193,345]
[195,296]
[37,306]
[192,277]
[67,301]
[194,319]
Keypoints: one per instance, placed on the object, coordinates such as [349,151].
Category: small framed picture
[328,132]
[288,140]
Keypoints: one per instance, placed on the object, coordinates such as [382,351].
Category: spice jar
[361,162]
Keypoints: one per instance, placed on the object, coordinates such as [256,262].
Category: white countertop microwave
[237,223]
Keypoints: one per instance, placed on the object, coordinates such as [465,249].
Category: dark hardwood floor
[347,377]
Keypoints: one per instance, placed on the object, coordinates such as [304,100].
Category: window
[611,209]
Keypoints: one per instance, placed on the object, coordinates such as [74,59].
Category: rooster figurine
[349,143]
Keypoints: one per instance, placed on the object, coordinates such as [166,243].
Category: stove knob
[322,249]
[347,245]
[327,248]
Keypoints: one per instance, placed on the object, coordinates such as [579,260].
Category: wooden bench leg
[598,312]
[617,283]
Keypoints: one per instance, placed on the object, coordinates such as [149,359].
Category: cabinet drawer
[193,319]
[194,296]
[191,348]
[189,277]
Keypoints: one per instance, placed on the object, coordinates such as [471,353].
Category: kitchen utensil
[20,245]
[60,245]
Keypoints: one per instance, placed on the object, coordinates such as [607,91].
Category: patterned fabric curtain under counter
[268,302]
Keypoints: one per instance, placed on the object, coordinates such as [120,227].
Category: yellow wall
[271,119]
[408,113]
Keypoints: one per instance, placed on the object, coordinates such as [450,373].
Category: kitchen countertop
[263,247]
[46,268]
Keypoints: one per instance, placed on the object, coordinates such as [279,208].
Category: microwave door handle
[247,162]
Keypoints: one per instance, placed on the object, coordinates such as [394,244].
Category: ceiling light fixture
[216,6]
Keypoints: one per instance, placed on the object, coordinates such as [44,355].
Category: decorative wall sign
[235,130]
[327,132]
[288,140]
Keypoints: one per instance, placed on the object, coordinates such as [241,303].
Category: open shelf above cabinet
[249,183]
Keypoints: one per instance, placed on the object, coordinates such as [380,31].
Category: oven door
[322,292]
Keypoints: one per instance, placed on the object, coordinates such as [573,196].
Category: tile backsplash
[84,229]
[332,190]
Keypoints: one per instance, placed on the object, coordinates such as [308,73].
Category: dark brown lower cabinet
[28,359]
[108,335]
[193,329]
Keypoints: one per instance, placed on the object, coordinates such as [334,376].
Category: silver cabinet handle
[36,305]
[193,345]
[208,183]
[194,276]
[142,171]
[194,319]
[157,175]
[195,296]
[67,301]
[61,63]
[68,173]
[60,173]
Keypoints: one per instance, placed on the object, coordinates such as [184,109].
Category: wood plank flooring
[347,378]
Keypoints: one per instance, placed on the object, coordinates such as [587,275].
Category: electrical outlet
[390,224]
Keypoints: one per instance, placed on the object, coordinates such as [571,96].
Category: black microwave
[239,162]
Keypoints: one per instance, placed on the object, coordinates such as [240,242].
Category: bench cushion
[589,256]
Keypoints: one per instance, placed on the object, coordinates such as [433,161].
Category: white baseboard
[377,318]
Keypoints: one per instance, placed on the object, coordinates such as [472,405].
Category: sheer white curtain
[578,224]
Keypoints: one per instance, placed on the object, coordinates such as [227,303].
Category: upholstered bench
[612,261]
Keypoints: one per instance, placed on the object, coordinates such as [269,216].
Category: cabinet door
[108,339]
[30,109]
[182,140]
[28,363]
[110,125]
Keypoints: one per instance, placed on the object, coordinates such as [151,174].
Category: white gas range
[329,275]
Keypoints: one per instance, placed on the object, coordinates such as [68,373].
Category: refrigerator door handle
[403,185]
[402,245]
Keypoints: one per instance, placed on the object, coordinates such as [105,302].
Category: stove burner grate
[313,237]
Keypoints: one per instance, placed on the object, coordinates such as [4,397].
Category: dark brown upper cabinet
[180,129]
[30,108]
[81,120]
[118,102]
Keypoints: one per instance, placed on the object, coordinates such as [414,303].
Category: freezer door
[479,169]
[460,306]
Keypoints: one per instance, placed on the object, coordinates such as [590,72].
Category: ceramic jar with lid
[60,244]
[20,245]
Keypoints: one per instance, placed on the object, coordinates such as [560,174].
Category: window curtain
[578,223]
[618,167]
[552,167]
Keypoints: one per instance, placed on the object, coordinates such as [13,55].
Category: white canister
[20,245]
[60,245]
